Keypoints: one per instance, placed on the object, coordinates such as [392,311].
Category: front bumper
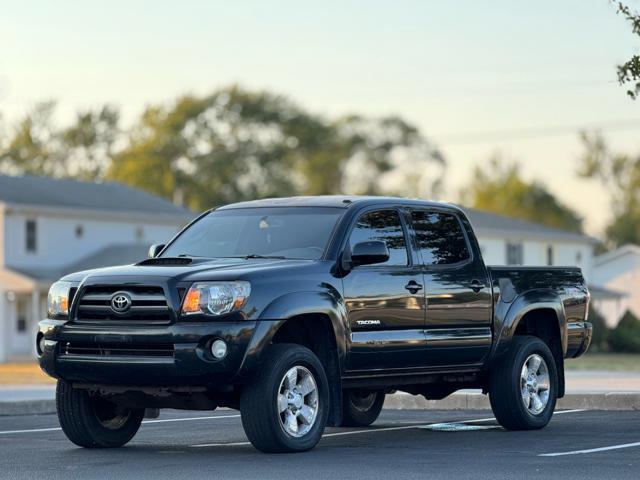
[579,338]
[185,360]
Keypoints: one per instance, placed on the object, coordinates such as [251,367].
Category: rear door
[385,302]
[458,293]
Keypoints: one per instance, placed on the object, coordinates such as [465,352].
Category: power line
[470,138]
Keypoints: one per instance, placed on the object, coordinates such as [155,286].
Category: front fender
[290,305]
[509,315]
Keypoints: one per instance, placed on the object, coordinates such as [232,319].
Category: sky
[471,75]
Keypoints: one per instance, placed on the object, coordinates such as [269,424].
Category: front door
[458,293]
[385,302]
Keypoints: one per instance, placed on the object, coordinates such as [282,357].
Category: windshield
[296,233]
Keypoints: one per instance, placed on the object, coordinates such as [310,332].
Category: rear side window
[439,237]
[382,225]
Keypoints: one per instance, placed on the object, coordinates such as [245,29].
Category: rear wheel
[524,386]
[360,408]
[91,421]
[285,408]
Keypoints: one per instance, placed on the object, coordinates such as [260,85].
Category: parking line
[164,420]
[373,430]
[591,450]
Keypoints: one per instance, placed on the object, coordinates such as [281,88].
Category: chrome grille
[148,305]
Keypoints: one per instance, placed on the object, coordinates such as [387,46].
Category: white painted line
[164,420]
[591,450]
[188,419]
[373,430]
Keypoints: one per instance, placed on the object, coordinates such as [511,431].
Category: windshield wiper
[256,255]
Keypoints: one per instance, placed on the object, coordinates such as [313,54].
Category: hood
[197,269]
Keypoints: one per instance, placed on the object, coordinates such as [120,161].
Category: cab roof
[336,201]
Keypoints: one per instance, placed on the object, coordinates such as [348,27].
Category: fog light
[40,344]
[218,349]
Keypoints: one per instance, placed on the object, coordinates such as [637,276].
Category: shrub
[626,336]
[601,331]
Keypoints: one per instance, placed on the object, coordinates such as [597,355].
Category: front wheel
[523,388]
[285,408]
[91,421]
[360,408]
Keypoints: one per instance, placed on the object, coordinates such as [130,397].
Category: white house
[509,241]
[618,270]
[50,227]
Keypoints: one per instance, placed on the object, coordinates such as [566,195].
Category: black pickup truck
[304,312]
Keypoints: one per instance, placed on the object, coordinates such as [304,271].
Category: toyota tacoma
[304,312]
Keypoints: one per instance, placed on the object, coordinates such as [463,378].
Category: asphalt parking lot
[401,444]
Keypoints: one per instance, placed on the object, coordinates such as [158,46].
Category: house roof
[490,222]
[617,253]
[68,193]
[123,254]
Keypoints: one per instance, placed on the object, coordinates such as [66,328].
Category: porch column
[4,327]
[36,316]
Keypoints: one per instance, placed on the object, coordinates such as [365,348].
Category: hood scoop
[165,261]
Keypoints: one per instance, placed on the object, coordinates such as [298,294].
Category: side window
[382,225]
[439,237]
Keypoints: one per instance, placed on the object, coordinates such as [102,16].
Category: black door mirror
[368,253]
[155,249]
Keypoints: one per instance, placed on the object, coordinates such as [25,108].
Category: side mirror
[155,249]
[369,253]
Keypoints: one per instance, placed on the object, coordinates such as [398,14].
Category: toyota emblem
[120,303]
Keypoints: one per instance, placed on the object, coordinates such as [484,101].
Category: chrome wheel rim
[297,401]
[362,401]
[109,415]
[535,385]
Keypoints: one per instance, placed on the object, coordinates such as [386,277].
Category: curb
[28,407]
[405,401]
[478,401]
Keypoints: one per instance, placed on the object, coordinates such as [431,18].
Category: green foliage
[620,174]
[626,336]
[500,188]
[228,146]
[599,341]
[83,149]
[629,72]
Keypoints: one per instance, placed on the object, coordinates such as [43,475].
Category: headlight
[58,299]
[216,298]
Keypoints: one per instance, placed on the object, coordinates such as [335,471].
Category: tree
[626,336]
[236,144]
[629,72]
[81,150]
[498,187]
[620,174]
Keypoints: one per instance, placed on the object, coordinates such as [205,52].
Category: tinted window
[440,238]
[383,225]
[301,233]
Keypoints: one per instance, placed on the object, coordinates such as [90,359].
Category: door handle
[476,285]
[413,286]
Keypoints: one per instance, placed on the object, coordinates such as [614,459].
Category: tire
[90,421]
[272,405]
[510,385]
[360,408]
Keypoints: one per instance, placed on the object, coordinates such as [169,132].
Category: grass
[606,361]
[23,374]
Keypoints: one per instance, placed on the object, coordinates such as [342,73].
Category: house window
[79,231]
[139,233]
[30,236]
[514,253]
[578,257]
[549,255]
[21,316]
